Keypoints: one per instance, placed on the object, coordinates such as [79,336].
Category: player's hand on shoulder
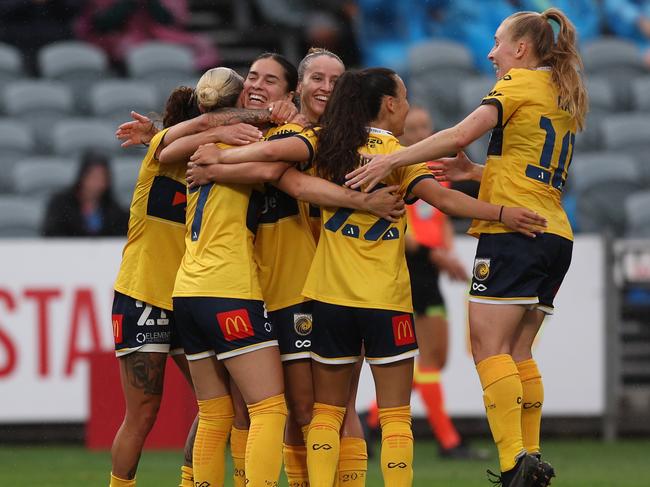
[523,221]
[300,119]
[196,175]
[239,134]
[386,203]
[370,174]
[206,154]
[282,111]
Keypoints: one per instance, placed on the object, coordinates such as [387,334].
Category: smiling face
[265,83]
[506,52]
[317,85]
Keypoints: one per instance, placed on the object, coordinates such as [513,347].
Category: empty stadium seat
[617,60]
[40,104]
[637,210]
[113,100]
[72,136]
[11,63]
[78,64]
[641,94]
[601,182]
[163,65]
[627,134]
[434,70]
[16,142]
[125,173]
[20,216]
[40,177]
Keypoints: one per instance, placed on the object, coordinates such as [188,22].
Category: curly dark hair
[354,103]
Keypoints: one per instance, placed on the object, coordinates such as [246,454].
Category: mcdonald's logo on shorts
[235,324]
[117,328]
[403,330]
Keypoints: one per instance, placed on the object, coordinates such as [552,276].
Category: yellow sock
[323,444]
[533,400]
[238,439]
[295,465]
[502,395]
[187,477]
[118,482]
[353,462]
[396,446]
[264,446]
[208,459]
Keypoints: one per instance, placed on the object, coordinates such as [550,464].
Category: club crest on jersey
[302,323]
[481,269]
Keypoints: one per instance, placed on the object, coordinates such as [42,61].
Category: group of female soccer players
[275,312]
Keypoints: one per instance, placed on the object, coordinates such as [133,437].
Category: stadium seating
[11,64]
[72,136]
[16,142]
[39,177]
[78,64]
[40,104]
[601,182]
[20,216]
[113,100]
[160,64]
[125,173]
[617,60]
[641,94]
[637,210]
[435,68]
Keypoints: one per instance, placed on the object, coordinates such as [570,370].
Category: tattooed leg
[142,375]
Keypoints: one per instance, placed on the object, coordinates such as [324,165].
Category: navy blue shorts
[510,268]
[294,327]
[224,327]
[142,327]
[340,332]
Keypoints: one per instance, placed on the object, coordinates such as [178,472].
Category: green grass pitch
[579,463]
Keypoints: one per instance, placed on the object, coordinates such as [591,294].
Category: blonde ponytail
[556,47]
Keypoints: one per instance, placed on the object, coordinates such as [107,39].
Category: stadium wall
[55,304]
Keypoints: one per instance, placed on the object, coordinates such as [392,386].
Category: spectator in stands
[630,19]
[118,25]
[31,24]
[87,208]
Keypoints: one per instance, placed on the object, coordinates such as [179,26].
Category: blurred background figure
[429,251]
[31,24]
[119,25]
[630,19]
[87,208]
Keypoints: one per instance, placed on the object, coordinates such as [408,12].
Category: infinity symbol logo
[396,465]
[324,446]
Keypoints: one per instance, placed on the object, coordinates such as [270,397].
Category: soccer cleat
[545,472]
[524,474]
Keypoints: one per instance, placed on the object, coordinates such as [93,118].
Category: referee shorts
[425,289]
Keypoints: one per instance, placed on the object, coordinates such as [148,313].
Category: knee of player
[144,416]
[300,411]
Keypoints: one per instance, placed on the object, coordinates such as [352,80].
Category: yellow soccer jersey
[284,245]
[530,150]
[155,240]
[220,230]
[359,259]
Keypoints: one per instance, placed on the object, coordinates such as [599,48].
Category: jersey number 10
[557,179]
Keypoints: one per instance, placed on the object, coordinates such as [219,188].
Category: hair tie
[555,27]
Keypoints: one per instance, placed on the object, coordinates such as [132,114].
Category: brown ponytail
[557,50]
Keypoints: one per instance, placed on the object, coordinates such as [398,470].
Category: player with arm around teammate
[537,105]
